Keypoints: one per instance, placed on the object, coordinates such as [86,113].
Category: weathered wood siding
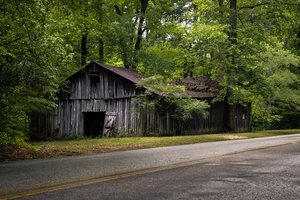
[215,122]
[110,86]
[112,93]
[239,118]
[70,117]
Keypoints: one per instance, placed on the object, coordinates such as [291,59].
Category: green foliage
[40,47]
[263,115]
[34,59]
[166,97]
[278,96]
[12,137]
[161,59]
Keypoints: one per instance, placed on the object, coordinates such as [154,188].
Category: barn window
[94,77]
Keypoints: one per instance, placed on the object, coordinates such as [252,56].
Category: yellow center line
[78,183]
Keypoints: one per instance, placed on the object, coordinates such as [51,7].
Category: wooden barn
[99,102]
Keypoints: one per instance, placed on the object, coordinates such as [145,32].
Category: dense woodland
[251,48]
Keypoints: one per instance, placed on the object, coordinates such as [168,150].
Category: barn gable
[98,81]
[99,98]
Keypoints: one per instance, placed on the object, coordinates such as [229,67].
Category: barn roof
[128,74]
[197,87]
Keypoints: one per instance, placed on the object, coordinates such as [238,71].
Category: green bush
[11,137]
[165,96]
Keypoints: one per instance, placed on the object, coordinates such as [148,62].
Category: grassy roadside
[88,146]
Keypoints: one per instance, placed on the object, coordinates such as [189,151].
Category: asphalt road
[215,170]
[271,173]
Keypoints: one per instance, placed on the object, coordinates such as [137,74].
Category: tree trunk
[100,40]
[232,34]
[144,4]
[123,49]
[233,22]
[84,48]
[117,9]
[141,29]
[189,64]
[132,63]
[221,11]
[220,55]
[125,59]
[101,50]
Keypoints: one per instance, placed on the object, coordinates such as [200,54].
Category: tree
[250,47]
[33,62]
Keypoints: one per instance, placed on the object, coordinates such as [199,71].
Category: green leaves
[35,57]
[278,96]
[40,47]
[166,97]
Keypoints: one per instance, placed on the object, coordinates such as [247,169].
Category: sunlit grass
[85,146]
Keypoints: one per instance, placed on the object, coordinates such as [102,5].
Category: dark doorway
[93,123]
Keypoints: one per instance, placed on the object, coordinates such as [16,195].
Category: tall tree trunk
[100,40]
[117,9]
[101,49]
[123,48]
[188,67]
[144,5]
[84,47]
[141,30]
[233,22]
[233,40]
[221,11]
[125,59]
[132,63]
[220,54]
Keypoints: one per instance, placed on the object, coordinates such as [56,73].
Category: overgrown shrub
[165,97]
[13,137]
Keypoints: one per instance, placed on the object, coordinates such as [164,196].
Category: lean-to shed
[99,102]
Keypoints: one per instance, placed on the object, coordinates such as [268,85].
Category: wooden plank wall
[111,86]
[239,118]
[215,122]
[114,94]
[69,118]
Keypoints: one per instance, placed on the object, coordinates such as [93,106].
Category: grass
[88,146]
[81,146]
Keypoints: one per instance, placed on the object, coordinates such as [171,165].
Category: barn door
[109,123]
[93,123]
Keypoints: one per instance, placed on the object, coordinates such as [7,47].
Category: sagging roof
[197,87]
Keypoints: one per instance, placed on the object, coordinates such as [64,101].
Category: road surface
[265,168]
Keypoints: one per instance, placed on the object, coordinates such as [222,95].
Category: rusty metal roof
[128,74]
[197,87]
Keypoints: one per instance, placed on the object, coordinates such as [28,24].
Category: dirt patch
[12,152]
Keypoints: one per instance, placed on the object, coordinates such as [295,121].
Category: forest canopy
[251,48]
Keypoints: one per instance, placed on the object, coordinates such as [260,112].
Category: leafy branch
[167,97]
[268,3]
